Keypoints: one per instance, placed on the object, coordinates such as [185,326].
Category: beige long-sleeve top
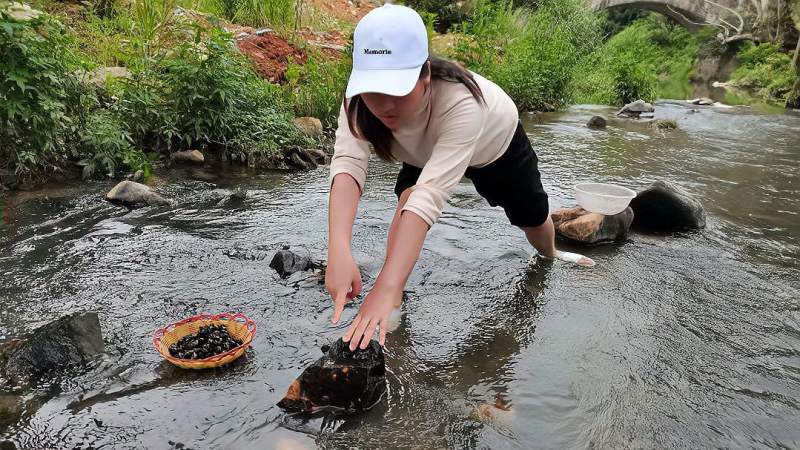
[452,132]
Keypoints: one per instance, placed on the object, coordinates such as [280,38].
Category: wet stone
[664,206]
[340,381]
[210,340]
[596,122]
[287,262]
[70,342]
[579,225]
[129,193]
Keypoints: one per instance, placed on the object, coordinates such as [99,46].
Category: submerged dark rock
[596,122]
[342,381]
[11,407]
[129,193]
[579,225]
[664,206]
[69,342]
[287,262]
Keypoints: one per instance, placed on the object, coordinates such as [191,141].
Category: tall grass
[150,17]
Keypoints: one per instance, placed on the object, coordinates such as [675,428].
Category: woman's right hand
[342,280]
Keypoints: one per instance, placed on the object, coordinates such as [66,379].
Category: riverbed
[674,340]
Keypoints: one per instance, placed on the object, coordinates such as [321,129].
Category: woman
[443,123]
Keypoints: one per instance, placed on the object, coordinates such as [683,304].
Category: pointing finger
[338,306]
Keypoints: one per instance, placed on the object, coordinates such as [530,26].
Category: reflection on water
[683,340]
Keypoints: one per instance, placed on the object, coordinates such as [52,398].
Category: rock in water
[69,342]
[635,109]
[188,156]
[341,381]
[702,101]
[582,226]
[130,193]
[596,122]
[11,407]
[664,206]
[287,262]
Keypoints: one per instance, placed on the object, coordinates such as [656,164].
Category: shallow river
[685,340]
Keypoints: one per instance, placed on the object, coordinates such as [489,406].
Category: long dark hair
[364,125]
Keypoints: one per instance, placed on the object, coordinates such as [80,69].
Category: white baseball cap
[390,45]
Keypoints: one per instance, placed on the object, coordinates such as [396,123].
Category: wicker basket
[239,326]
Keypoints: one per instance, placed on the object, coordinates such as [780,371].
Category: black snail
[210,340]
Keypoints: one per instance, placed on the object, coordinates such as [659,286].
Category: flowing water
[681,340]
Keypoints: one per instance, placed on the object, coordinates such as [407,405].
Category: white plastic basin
[608,199]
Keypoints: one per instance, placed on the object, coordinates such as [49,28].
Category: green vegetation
[315,89]
[530,53]
[188,87]
[650,59]
[765,71]
[185,84]
[445,14]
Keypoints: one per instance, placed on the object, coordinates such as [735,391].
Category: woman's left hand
[374,313]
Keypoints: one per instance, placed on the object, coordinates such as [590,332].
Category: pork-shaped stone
[341,381]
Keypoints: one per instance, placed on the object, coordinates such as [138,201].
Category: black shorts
[512,181]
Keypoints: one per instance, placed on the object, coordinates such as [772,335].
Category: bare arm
[342,277]
[406,236]
[342,207]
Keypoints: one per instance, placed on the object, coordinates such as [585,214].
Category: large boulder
[188,156]
[287,262]
[636,109]
[310,126]
[69,342]
[130,193]
[579,225]
[340,381]
[664,206]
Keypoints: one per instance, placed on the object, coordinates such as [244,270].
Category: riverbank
[130,85]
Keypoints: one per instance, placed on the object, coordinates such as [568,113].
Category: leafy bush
[764,70]
[633,82]
[531,54]
[446,13]
[103,142]
[206,94]
[650,59]
[315,89]
[34,84]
